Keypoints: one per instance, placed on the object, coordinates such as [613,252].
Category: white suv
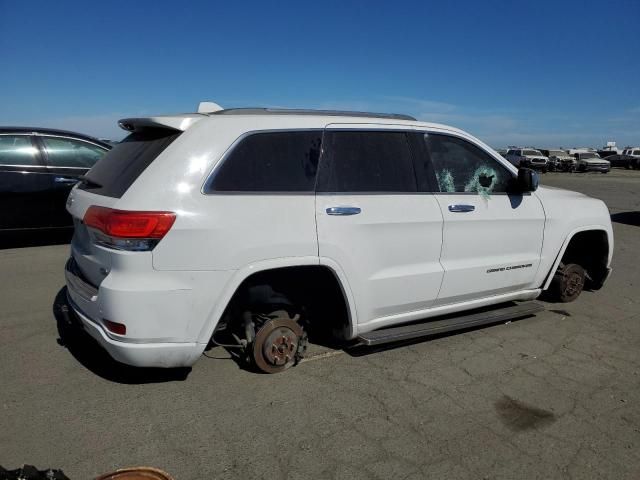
[254,228]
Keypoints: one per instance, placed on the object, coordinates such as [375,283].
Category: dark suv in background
[38,167]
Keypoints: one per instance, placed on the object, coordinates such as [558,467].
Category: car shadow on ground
[628,218]
[35,238]
[96,359]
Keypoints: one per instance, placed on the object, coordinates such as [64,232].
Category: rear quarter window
[120,167]
[270,162]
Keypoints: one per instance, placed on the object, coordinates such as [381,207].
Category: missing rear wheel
[279,343]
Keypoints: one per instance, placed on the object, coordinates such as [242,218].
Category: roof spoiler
[174,122]
[178,122]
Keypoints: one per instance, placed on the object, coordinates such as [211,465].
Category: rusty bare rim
[575,283]
[276,344]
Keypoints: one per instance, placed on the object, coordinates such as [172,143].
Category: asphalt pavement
[552,396]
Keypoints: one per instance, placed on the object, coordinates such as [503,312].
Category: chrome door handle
[461,208]
[65,180]
[343,210]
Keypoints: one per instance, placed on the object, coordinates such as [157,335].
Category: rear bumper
[83,300]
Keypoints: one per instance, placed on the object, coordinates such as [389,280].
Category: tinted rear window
[118,169]
[270,162]
[371,162]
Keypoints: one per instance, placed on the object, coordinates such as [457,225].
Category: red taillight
[125,224]
[115,327]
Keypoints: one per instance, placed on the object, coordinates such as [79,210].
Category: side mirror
[527,180]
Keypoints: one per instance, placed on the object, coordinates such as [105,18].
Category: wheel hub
[574,284]
[277,344]
[280,346]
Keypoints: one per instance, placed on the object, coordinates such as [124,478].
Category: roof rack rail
[292,111]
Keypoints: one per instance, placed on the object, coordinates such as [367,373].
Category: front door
[491,239]
[67,160]
[372,222]
[24,184]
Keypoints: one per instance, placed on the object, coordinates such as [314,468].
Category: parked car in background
[560,160]
[38,167]
[528,158]
[622,161]
[591,162]
[608,152]
[634,153]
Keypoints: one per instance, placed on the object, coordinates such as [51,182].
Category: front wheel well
[313,290]
[590,250]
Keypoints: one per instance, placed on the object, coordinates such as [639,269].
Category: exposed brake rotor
[279,343]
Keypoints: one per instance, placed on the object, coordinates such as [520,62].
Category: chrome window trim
[72,168]
[23,166]
[36,134]
[353,194]
[397,128]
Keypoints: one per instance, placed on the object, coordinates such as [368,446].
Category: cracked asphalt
[552,396]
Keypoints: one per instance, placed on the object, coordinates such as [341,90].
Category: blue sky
[545,73]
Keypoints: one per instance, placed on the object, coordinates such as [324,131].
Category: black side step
[434,327]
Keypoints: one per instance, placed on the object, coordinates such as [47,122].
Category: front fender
[567,214]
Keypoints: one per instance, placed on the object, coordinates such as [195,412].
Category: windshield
[585,156]
[532,153]
[557,153]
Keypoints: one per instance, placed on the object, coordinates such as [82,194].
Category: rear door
[374,224]
[491,239]
[67,159]
[24,184]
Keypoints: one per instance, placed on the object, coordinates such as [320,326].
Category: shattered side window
[462,167]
